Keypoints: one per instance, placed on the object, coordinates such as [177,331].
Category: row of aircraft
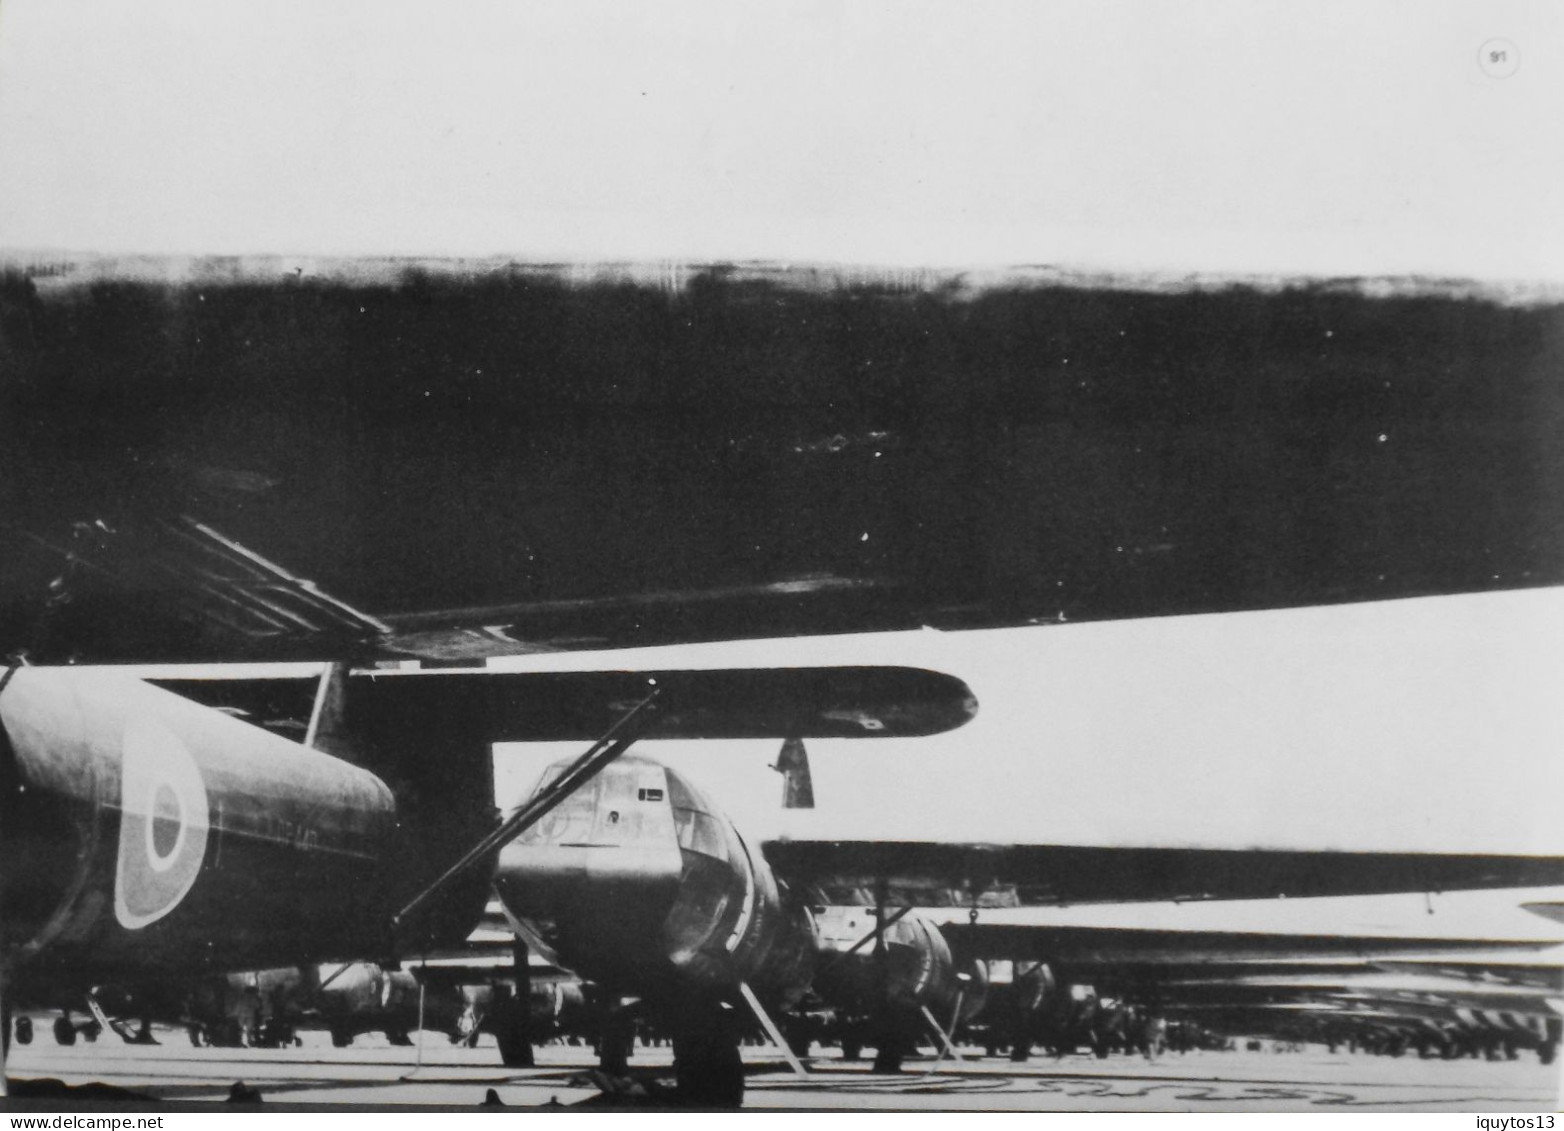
[634,882]
[231,462]
[1101,989]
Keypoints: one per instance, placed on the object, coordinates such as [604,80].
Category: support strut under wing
[772,1032]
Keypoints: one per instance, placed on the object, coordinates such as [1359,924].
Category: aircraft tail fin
[327,729]
[798,790]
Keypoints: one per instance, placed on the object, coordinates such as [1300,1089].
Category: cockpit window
[702,833]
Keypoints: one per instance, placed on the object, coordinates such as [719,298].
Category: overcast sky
[1430,724]
[1359,135]
[1424,725]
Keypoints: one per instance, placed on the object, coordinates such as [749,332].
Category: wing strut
[772,1032]
[946,1040]
[613,742]
[5,1029]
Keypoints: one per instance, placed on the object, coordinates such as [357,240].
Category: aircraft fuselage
[143,832]
[639,883]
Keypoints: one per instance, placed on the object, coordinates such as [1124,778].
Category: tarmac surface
[374,1073]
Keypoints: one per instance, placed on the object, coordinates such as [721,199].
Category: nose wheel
[708,1069]
[616,1042]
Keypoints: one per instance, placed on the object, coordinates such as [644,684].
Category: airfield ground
[374,1073]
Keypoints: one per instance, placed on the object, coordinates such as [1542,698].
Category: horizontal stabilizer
[825,702]
[928,874]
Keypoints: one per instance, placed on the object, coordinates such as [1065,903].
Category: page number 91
[1499,58]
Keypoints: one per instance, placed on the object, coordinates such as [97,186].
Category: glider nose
[615,832]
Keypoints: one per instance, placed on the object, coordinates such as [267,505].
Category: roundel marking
[165,828]
[163,824]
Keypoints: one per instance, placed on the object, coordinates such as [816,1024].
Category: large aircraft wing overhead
[929,874]
[211,460]
[823,702]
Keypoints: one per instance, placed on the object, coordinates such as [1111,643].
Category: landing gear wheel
[228,1034]
[341,1037]
[508,1019]
[64,1031]
[614,1042]
[398,1037]
[515,1049]
[892,1043]
[798,1037]
[887,1061]
[708,1069]
[24,1031]
[891,1033]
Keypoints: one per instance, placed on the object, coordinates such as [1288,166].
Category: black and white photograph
[781,555]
